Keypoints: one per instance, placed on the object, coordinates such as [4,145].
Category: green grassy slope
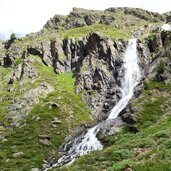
[147,150]
[70,109]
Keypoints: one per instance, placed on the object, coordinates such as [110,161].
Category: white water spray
[81,146]
[166,27]
[130,80]
[88,142]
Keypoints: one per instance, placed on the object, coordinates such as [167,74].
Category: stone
[45,142]
[35,169]
[18,154]
[56,121]
[55,22]
[44,137]
[22,106]
[112,126]
[108,20]
[168,19]
[2,124]
[5,140]
[91,19]
[53,105]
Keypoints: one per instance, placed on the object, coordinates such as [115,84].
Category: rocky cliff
[65,78]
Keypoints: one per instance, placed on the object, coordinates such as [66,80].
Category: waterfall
[88,141]
[166,27]
[130,80]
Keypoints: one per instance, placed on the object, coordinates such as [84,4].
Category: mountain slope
[65,78]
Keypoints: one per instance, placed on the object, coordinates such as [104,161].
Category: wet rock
[111,126]
[129,117]
[100,52]
[154,43]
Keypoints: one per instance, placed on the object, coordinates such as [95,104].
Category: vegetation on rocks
[148,149]
[104,30]
[63,103]
[61,80]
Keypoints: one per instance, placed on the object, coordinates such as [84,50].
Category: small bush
[18,61]
[13,36]
[161,66]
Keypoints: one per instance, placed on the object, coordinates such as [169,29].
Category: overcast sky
[25,16]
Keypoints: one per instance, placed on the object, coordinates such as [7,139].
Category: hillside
[66,78]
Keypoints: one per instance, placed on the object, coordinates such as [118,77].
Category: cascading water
[166,27]
[88,142]
[130,80]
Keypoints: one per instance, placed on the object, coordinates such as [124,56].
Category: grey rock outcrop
[22,106]
[95,62]
[18,154]
[82,17]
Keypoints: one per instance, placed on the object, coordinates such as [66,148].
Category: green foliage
[104,30]
[151,111]
[18,61]
[149,149]
[161,66]
[70,109]
[13,36]
[150,36]
[155,154]
[152,106]
[162,86]
[152,166]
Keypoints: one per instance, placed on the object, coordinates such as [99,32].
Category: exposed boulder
[108,20]
[91,19]
[21,107]
[45,142]
[168,19]
[55,22]
[18,154]
[111,126]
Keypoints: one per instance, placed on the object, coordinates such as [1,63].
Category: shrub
[160,68]
[13,37]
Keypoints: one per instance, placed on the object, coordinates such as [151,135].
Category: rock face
[98,71]
[22,106]
[82,17]
[94,60]
[113,126]
[157,57]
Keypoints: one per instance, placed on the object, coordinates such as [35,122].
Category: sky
[26,16]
